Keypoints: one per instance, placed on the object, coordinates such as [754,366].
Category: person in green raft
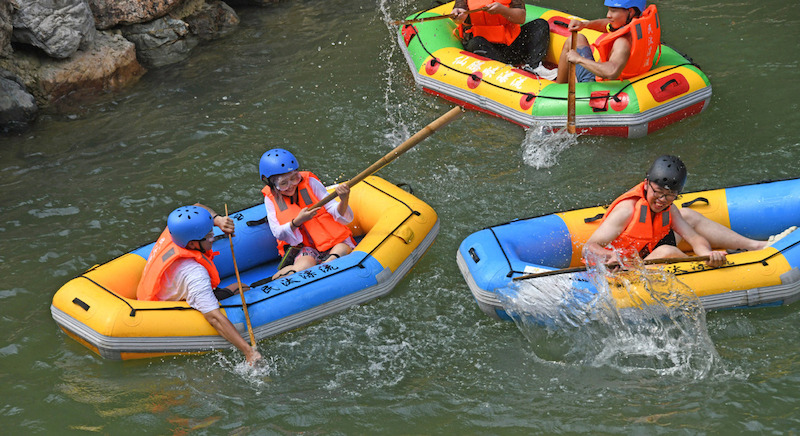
[629,46]
[645,222]
[499,32]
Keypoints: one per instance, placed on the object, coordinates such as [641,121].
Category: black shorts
[666,240]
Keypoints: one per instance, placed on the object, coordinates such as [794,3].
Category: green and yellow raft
[674,89]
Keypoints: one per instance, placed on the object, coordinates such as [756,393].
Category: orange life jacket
[494,27]
[644,230]
[321,232]
[165,252]
[645,35]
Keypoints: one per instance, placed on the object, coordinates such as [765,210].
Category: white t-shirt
[284,232]
[188,280]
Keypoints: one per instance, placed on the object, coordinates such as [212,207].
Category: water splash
[257,375]
[395,107]
[643,319]
[540,148]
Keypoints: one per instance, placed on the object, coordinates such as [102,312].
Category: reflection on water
[650,321]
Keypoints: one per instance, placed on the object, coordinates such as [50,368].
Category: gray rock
[109,13]
[109,67]
[213,20]
[252,2]
[7,8]
[161,42]
[17,107]
[59,27]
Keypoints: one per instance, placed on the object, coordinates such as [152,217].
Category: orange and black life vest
[321,232]
[645,229]
[645,35]
[165,252]
[494,27]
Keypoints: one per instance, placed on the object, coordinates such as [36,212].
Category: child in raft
[306,237]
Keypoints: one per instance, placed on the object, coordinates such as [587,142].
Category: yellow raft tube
[393,229]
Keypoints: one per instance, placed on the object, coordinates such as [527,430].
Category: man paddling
[629,46]
[180,267]
[644,221]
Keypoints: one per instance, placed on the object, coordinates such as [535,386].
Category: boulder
[109,13]
[17,107]
[59,27]
[213,20]
[109,66]
[252,2]
[161,42]
[170,39]
[7,8]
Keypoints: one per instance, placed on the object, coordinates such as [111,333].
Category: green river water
[327,80]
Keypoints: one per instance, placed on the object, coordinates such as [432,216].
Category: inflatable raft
[674,89]
[393,229]
[490,258]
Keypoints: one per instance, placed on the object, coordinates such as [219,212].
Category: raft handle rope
[133,310]
[600,216]
[764,261]
[530,95]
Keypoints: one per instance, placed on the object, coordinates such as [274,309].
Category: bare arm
[225,329]
[611,227]
[600,25]
[514,15]
[223,222]
[610,69]
[343,191]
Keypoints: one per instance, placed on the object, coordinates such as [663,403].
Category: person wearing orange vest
[630,44]
[644,221]
[180,267]
[500,32]
[317,234]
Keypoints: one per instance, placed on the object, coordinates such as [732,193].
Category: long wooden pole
[241,293]
[438,17]
[426,131]
[571,90]
[583,268]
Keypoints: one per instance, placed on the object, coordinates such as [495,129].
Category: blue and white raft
[490,258]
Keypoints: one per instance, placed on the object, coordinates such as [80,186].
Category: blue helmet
[189,223]
[639,4]
[276,161]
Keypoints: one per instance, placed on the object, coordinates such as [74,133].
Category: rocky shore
[58,53]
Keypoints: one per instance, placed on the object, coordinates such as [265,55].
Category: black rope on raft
[529,95]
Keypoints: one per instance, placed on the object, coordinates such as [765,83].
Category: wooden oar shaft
[397,151]
[571,90]
[438,17]
[665,260]
[241,293]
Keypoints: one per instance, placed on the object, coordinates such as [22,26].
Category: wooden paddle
[571,89]
[400,149]
[583,268]
[241,293]
[438,17]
